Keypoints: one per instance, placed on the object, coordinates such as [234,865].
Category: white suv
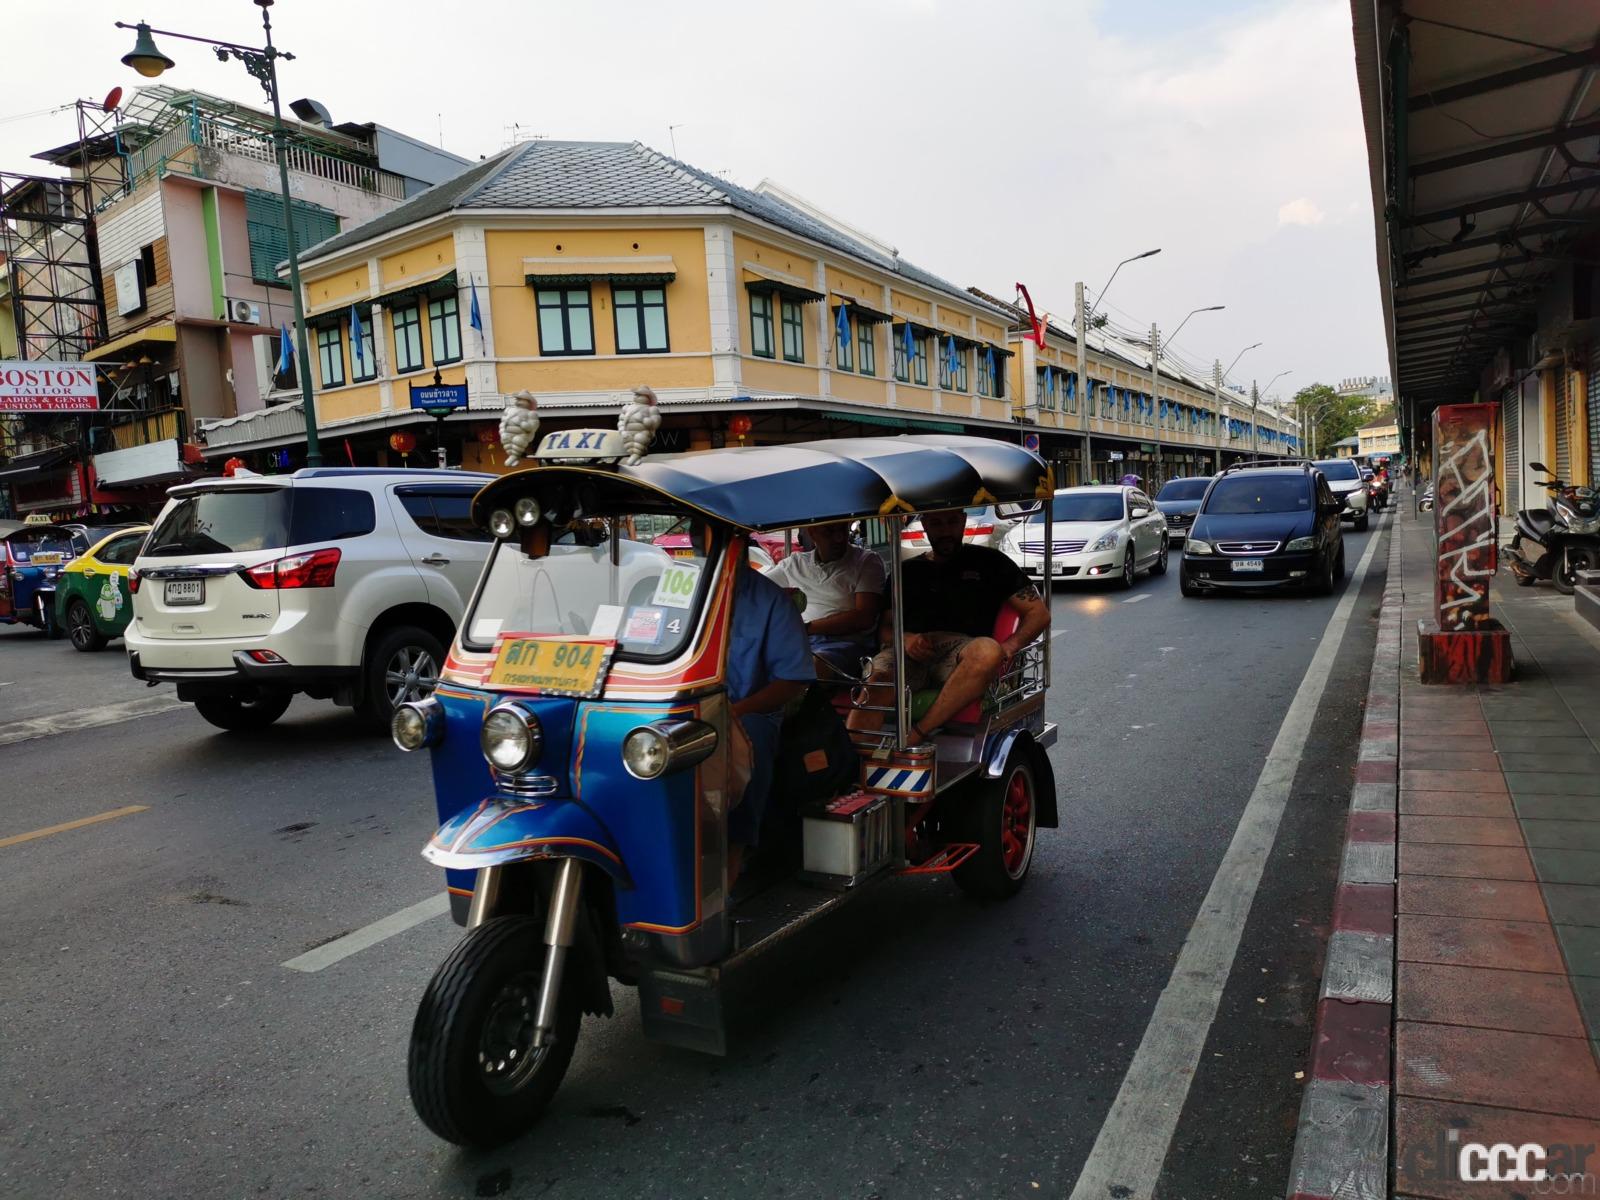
[345,583]
[1344,477]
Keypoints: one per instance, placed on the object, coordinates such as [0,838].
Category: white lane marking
[1136,599]
[1132,1145]
[329,953]
[85,718]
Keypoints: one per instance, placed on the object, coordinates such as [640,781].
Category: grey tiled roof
[547,174]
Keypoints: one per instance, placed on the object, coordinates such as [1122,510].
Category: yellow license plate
[550,665]
[684,552]
[47,558]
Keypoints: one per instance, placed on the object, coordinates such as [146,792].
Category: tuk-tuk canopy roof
[775,487]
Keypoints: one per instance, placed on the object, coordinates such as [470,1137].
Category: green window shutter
[269,244]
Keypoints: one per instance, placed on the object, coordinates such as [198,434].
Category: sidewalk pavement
[1497,926]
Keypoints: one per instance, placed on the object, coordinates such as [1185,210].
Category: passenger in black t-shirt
[953,595]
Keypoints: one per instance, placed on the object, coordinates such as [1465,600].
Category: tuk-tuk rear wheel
[474,1025]
[1005,818]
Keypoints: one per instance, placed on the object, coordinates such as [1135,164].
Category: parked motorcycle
[1425,501]
[1567,536]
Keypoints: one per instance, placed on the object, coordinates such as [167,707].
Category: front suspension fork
[560,928]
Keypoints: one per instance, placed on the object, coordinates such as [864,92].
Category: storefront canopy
[1481,149]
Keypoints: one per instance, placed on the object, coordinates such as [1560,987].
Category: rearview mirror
[1138,514]
[1540,467]
[1010,512]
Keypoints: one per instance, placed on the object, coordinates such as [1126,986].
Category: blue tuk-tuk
[31,560]
[584,772]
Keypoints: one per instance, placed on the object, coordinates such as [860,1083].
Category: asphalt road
[921,1045]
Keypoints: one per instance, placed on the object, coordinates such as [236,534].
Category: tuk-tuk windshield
[648,599]
[47,542]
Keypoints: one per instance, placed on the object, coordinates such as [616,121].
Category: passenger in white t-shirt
[843,587]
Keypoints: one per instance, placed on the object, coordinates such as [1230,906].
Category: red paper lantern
[232,465]
[489,435]
[739,426]
[402,442]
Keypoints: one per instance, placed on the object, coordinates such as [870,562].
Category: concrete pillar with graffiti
[1462,642]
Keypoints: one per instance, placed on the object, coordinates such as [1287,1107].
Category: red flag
[1037,322]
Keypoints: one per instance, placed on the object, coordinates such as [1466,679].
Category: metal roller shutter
[1511,412]
[1594,415]
[1563,423]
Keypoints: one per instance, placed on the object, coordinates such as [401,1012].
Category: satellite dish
[112,101]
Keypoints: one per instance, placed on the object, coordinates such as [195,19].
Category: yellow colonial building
[578,270]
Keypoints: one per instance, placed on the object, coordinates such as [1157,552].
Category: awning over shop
[758,281]
[28,466]
[858,418]
[1484,187]
[165,331]
[643,270]
[442,284]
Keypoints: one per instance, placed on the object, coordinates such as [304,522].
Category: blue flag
[1050,382]
[842,325]
[950,357]
[911,345]
[474,316]
[1071,390]
[358,339]
[991,362]
[284,341]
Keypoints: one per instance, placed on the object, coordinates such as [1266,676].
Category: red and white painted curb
[1342,1146]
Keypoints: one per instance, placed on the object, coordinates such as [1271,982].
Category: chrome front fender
[500,830]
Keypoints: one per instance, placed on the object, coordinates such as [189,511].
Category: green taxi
[92,600]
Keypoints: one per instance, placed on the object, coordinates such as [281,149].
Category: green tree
[1337,417]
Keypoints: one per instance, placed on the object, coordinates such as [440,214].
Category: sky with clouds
[1036,142]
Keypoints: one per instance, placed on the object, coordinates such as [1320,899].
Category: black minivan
[1265,527]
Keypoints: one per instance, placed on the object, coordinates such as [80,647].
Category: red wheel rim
[1016,824]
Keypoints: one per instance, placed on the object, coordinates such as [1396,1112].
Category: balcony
[208,148]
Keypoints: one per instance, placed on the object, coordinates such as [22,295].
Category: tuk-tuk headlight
[417,723]
[512,738]
[501,523]
[526,511]
[650,751]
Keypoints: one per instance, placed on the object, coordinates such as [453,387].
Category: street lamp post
[261,62]
[1081,321]
[1255,405]
[1218,375]
[1155,348]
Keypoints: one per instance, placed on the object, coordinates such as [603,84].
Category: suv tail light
[133,581]
[314,570]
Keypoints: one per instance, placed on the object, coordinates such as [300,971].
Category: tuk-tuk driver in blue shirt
[769,665]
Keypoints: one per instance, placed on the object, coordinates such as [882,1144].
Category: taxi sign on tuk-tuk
[581,445]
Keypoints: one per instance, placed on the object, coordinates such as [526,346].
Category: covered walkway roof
[1483,141]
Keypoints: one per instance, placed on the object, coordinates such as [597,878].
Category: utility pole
[1082,338]
[1216,393]
[1155,370]
[1255,428]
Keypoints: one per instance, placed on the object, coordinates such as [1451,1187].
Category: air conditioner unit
[244,312]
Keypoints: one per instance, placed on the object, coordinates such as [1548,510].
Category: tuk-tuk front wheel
[1005,819]
[476,1077]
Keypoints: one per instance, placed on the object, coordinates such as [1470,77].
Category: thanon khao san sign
[48,387]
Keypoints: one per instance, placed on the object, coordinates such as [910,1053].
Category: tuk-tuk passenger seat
[1004,626]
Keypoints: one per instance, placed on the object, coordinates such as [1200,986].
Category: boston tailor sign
[44,386]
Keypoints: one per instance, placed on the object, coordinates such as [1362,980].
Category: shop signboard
[44,386]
